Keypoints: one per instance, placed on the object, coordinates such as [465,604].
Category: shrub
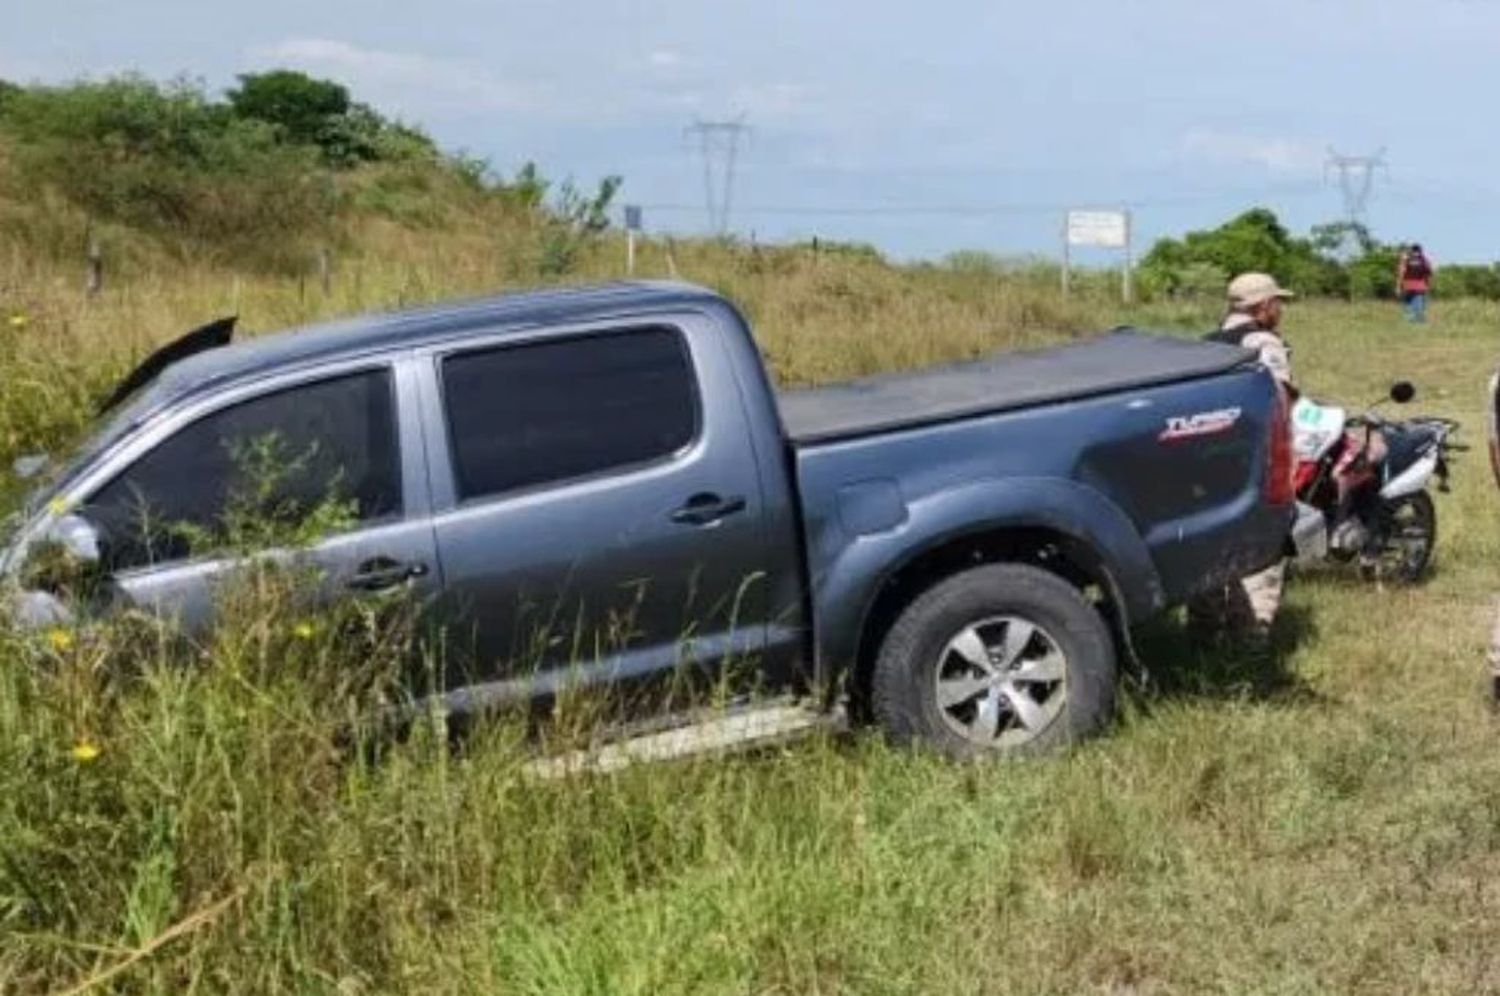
[1201,280]
[8,92]
[1373,274]
[1481,281]
[575,220]
[843,249]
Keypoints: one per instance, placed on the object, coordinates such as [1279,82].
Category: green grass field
[1327,820]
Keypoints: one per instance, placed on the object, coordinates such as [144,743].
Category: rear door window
[322,455]
[544,413]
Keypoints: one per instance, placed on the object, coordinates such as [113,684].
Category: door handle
[382,573]
[705,509]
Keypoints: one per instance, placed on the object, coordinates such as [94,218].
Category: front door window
[294,463]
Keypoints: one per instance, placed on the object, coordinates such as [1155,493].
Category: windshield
[131,402]
[63,466]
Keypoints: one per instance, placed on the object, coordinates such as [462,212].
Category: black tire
[918,656]
[1409,524]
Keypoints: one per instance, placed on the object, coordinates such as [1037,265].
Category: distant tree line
[1339,259]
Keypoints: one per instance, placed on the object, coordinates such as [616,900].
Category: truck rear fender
[1063,526]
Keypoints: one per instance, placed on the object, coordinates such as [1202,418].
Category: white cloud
[410,82]
[665,58]
[774,100]
[660,81]
[1276,154]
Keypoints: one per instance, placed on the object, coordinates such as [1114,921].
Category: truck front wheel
[1001,659]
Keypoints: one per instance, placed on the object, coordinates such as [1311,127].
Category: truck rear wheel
[1001,659]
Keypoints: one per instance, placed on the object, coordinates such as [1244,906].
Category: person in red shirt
[1414,282]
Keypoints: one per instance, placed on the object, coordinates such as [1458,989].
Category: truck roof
[372,333]
[1123,360]
[380,332]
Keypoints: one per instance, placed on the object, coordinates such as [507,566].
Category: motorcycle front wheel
[1408,533]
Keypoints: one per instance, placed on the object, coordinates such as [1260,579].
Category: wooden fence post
[95,268]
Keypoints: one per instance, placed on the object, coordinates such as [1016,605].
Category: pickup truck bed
[1123,361]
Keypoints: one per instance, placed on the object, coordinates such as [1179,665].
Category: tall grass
[180,816]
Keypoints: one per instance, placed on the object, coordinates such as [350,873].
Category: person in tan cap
[1254,322]
[1248,607]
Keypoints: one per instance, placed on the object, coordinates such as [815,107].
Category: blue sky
[1189,110]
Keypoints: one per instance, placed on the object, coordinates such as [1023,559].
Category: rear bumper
[1237,548]
[1309,537]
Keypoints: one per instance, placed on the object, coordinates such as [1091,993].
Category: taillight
[1280,489]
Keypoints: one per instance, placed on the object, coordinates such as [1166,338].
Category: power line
[1356,180]
[899,210]
[719,144]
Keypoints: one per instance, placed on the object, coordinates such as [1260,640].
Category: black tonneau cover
[1123,360]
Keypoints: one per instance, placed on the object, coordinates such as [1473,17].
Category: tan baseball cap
[1249,289]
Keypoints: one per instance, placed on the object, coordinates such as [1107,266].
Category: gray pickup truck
[600,486]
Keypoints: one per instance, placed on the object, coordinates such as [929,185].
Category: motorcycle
[1374,512]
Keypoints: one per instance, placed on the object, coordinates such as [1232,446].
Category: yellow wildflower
[59,639]
[303,631]
[18,321]
[84,751]
[58,506]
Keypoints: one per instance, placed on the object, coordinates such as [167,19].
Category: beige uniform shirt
[1274,352]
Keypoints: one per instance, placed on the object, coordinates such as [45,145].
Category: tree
[1331,237]
[304,108]
[1255,240]
[314,112]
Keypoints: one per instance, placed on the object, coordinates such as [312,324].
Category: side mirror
[27,467]
[79,537]
[1402,391]
[68,557]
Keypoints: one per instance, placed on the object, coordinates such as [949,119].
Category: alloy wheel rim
[1001,682]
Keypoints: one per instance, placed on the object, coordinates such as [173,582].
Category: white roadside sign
[1106,229]
[1102,229]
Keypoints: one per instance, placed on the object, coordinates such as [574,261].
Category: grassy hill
[182,818]
[820,314]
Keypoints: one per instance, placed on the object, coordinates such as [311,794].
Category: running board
[755,727]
